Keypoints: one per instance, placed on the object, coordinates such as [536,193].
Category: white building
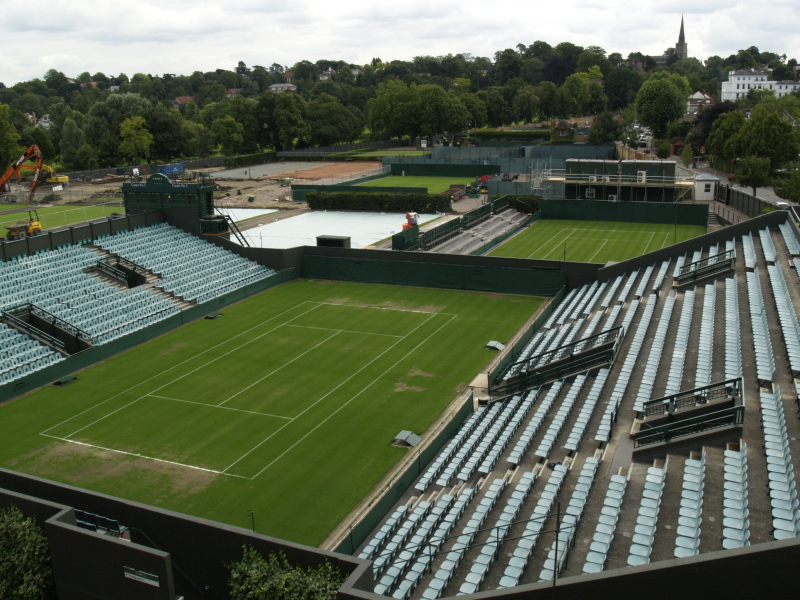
[705,186]
[282,87]
[741,82]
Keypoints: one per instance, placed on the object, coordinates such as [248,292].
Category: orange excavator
[32,153]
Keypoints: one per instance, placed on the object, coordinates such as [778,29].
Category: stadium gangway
[560,419]
[787,317]
[643,282]
[750,258]
[711,265]
[765,359]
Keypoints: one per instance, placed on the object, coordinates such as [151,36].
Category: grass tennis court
[286,405]
[434,185]
[593,241]
[393,153]
[59,216]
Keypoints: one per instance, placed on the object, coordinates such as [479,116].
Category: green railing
[706,267]
[33,332]
[730,388]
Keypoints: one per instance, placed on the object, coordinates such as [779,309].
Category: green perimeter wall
[625,212]
[299,192]
[397,488]
[443,170]
[93,355]
[478,278]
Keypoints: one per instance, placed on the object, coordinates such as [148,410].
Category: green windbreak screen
[503,280]
[627,212]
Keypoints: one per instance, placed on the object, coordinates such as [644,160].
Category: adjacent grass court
[393,153]
[286,405]
[58,216]
[434,185]
[593,241]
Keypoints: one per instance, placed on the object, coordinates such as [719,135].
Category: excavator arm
[32,153]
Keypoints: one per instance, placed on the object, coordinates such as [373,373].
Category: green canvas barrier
[504,280]
[408,239]
[412,169]
[299,192]
[627,212]
[476,215]
[87,358]
[358,535]
[504,236]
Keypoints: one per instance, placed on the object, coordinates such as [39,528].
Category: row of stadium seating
[21,355]
[189,267]
[708,496]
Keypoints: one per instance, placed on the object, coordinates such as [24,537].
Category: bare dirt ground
[333,170]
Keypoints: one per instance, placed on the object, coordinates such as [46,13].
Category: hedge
[496,134]
[245,160]
[379,202]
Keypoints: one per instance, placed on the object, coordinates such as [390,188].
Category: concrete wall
[190,552]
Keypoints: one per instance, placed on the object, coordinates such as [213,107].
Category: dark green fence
[381,508]
[93,355]
[484,248]
[503,280]
[441,233]
[408,239]
[627,212]
[299,192]
[442,169]
[742,201]
[476,215]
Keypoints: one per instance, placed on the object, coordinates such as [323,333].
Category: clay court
[300,170]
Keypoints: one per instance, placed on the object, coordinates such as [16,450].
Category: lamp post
[252,519]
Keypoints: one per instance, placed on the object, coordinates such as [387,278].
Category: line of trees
[101,120]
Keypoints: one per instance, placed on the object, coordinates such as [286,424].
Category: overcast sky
[182,36]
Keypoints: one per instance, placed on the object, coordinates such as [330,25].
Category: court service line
[252,412]
[648,242]
[271,373]
[598,250]
[169,462]
[186,374]
[266,439]
[345,331]
[554,236]
[180,364]
[409,310]
[321,423]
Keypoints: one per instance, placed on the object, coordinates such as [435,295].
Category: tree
[663,149]
[753,171]
[331,122]
[661,99]
[227,133]
[604,129]
[169,138]
[767,135]
[391,111]
[9,148]
[548,99]
[724,130]
[289,121]
[526,104]
[136,140]
[507,64]
[621,86]
[25,571]
[687,155]
[789,188]
[274,577]
[574,95]
[71,140]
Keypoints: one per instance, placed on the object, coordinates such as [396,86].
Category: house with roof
[705,186]
[562,132]
[327,74]
[232,93]
[697,102]
[741,82]
[288,76]
[282,87]
[181,101]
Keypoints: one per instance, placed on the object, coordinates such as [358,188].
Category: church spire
[681,49]
[681,38]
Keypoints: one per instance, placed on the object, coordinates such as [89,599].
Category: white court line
[345,331]
[169,462]
[125,391]
[186,374]
[257,381]
[554,236]
[265,440]
[252,412]
[276,459]
[411,310]
[648,242]
[598,250]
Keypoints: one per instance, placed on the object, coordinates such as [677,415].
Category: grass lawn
[287,405]
[593,241]
[434,185]
[58,216]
